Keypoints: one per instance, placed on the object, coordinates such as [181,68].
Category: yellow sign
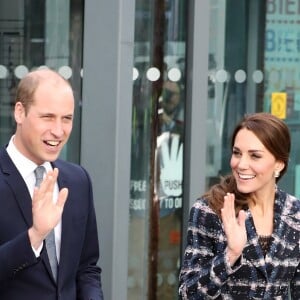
[278,105]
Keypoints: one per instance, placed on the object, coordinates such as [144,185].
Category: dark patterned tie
[50,240]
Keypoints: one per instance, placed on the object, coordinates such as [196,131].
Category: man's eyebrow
[69,116]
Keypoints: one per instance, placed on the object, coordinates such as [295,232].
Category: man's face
[44,130]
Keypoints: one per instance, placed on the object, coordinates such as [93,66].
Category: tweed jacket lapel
[253,251]
[281,246]
[285,245]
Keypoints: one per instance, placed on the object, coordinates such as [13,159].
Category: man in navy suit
[63,203]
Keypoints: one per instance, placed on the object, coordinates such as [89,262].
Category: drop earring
[276,173]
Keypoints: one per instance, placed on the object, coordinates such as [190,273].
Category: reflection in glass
[282,87]
[157,150]
[36,34]
[253,66]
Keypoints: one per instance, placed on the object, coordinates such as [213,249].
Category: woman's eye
[235,152]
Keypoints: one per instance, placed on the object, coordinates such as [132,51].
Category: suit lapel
[66,229]
[17,185]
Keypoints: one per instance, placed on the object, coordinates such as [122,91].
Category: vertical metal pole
[158,62]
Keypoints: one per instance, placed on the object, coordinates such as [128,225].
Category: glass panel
[157,149]
[282,72]
[234,42]
[254,53]
[37,33]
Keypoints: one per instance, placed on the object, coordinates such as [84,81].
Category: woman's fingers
[242,218]
[228,210]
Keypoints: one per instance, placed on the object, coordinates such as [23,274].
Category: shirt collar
[24,165]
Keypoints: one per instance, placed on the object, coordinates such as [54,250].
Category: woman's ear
[279,166]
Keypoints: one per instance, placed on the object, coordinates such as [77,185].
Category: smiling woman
[252,164]
[238,226]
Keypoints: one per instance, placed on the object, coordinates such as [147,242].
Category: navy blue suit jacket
[22,275]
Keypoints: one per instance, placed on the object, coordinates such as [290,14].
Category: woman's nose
[243,162]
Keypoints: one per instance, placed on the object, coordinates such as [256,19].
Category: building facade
[159,86]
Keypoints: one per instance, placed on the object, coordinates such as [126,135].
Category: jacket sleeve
[15,256]
[295,285]
[205,268]
[89,273]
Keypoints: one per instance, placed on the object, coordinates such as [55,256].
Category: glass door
[235,76]
[157,149]
[282,74]
[36,34]
[253,66]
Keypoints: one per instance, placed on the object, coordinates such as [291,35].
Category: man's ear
[19,112]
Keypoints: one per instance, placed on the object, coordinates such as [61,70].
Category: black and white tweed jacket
[205,273]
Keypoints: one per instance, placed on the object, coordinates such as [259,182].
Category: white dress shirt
[26,168]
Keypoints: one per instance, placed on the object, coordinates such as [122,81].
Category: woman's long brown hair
[275,136]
